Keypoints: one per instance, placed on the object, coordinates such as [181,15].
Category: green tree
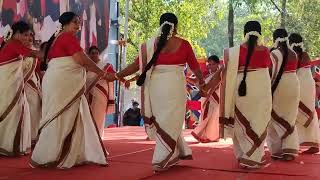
[303,18]
[219,38]
[232,6]
[196,18]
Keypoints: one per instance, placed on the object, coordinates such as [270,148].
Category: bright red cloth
[193,105]
[291,65]
[183,55]
[13,49]
[305,64]
[66,44]
[108,68]
[259,58]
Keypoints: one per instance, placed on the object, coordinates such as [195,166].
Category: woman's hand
[109,77]
[204,90]
[127,84]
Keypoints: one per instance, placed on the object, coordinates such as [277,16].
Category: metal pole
[124,57]
[118,67]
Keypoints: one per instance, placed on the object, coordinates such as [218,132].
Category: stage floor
[130,159]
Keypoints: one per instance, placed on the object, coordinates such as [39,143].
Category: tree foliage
[205,22]
[303,18]
[196,18]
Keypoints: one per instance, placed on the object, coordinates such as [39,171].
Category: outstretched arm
[198,73]
[215,81]
[82,59]
[129,70]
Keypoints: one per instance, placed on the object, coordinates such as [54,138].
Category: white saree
[282,132]
[247,115]
[33,93]
[100,95]
[163,109]
[208,129]
[68,134]
[307,121]
[15,137]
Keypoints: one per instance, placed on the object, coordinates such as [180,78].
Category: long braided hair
[280,34]
[250,26]
[165,20]
[43,62]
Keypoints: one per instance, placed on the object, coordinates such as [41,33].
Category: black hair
[43,45]
[251,43]
[214,58]
[91,48]
[64,19]
[18,27]
[170,17]
[135,103]
[43,63]
[297,38]
[280,33]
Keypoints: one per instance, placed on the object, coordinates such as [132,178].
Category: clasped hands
[112,77]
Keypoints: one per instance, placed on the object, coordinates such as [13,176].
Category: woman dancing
[161,62]
[68,135]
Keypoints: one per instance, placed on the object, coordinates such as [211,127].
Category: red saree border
[283,123]
[307,112]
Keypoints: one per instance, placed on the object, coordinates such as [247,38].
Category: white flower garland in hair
[252,33]
[171,29]
[280,40]
[301,45]
[8,35]
[59,29]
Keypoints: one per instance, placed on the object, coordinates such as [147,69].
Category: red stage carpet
[130,158]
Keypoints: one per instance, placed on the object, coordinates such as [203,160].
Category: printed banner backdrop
[43,16]
[316,76]
[193,102]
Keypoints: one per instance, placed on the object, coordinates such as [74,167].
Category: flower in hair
[252,33]
[171,29]
[280,40]
[8,35]
[59,29]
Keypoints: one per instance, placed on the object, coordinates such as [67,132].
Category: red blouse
[66,44]
[291,65]
[259,58]
[13,49]
[305,64]
[183,55]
